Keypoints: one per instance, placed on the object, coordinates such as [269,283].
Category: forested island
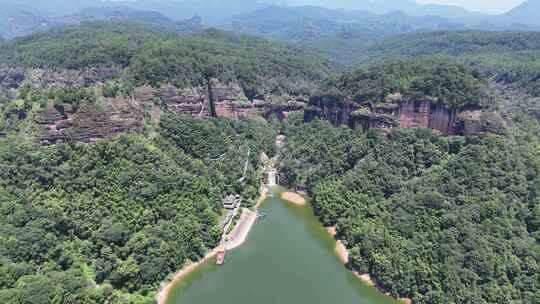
[118,144]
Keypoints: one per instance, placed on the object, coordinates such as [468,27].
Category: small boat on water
[220,260]
[261,215]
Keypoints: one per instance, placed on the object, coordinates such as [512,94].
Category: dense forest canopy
[433,218]
[106,223]
[443,82]
[183,60]
[458,43]
[439,220]
[506,56]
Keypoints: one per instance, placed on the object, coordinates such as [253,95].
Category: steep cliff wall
[105,117]
[89,122]
[406,114]
[228,100]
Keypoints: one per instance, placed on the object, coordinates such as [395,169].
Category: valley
[271,268]
[128,132]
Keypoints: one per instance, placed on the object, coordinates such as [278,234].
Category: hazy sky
[490,6]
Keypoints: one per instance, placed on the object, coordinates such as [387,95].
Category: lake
[288,258]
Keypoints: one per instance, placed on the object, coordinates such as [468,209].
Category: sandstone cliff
[396,112]
[218,99]
[89,122]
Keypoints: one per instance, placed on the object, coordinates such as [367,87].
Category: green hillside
[505,56]
[155,58]
[444,82]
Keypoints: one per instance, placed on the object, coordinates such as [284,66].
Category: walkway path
[239,234]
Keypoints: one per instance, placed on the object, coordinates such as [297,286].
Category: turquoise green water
[288,258]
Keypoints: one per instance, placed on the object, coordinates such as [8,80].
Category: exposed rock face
[89,122]
[414,114]
[479,122]
[107,117]
[39,78]
[10,81]
[225,100]
[395,112]
[12,78]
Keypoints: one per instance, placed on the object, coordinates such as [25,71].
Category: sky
[487,6]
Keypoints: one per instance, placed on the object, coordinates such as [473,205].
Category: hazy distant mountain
[339,34]
[55,7]
[276,19]
[19,20]
[212,11]
[363,20]
[528,14]
[153,20]
[410,7]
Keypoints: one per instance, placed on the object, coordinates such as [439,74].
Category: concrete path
[238,236]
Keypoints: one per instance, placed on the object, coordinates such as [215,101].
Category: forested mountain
[449,84]
[159,58]
[506,56]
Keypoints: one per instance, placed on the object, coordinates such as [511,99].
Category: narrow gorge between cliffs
[289,257]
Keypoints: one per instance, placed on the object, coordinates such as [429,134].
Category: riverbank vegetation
[435,219]
[107,222]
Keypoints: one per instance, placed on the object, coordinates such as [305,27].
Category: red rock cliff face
[407,114]
[337,113]
[414,114]
[426,115]
[90,122]
[227,100]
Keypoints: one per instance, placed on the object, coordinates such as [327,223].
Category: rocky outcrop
[395,112]
[220,100]
[10,81]
[89,122]
[12,78]
[474,122]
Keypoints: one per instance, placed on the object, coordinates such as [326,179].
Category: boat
[220,260]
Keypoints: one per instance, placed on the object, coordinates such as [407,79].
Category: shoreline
[165,290]
[343,254]
[241,232]
[340,248]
